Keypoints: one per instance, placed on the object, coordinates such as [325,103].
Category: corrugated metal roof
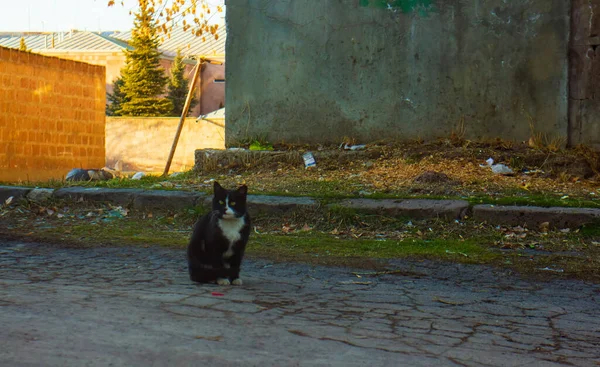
[189,44]
[31,41]
[63,41]
[90,41]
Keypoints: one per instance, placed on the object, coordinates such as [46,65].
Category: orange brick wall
[51,116]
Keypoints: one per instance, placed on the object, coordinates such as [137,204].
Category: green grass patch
[320,245]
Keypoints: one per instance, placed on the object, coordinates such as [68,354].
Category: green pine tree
[143,78]
[116,99]
[178,86]
[22,45]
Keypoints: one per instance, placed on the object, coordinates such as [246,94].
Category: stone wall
[315,72]
[143,143]
[51,116]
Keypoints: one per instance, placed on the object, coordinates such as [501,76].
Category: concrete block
[166,200]
[413,208]
[17,193]
[532,216]
[272,204]
[38,194]
[123,197]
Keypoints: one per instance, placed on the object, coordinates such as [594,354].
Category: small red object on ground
[217,294]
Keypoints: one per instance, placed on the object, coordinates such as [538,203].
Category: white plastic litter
[354,147]
[309,160]
[502,169]
[138,176]
[499,169]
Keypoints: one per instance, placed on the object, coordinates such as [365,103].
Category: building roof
[189,44]
[90,41]
[31,41]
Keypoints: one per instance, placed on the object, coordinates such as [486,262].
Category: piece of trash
[217,294]
[49,211]
[547,268]
[448,302]
[138,176]
[501,169]
[459,253]
[8,201]
[60,215]
[409,224]
[565,230]
[309,160]
[236,149]
[118,212]
[564,197]
[364,193]
[354,147]
[175,174]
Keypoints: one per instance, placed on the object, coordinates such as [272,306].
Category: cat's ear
[217,188]
[243,189]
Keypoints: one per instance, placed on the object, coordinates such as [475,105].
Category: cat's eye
[221,202]
[232,203]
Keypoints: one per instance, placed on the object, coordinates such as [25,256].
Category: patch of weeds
[517,163]
[259,145]
[322,245]
[591,230]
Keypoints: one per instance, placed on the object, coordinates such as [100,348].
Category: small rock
[39,195]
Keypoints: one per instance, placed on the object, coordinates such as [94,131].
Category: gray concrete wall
[316,71]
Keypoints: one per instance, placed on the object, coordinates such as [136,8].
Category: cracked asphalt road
[134,306]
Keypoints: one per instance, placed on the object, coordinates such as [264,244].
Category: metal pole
[184,113]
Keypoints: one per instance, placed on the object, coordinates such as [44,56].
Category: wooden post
[184,113]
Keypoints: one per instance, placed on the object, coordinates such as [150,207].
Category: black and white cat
[219,239]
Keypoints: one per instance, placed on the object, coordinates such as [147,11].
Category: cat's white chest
[231,231]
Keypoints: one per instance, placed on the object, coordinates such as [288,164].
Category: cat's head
[230,203]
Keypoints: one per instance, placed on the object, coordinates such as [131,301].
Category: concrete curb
[533,216]
[413,208]
[139,199]
[17,193]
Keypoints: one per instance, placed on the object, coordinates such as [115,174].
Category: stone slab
[272,204]
[39,195]
[533,217]
[15,192]
[166,200]
[123,197]
[413,208]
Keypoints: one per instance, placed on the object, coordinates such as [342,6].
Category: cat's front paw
[223,281]
[237,281]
